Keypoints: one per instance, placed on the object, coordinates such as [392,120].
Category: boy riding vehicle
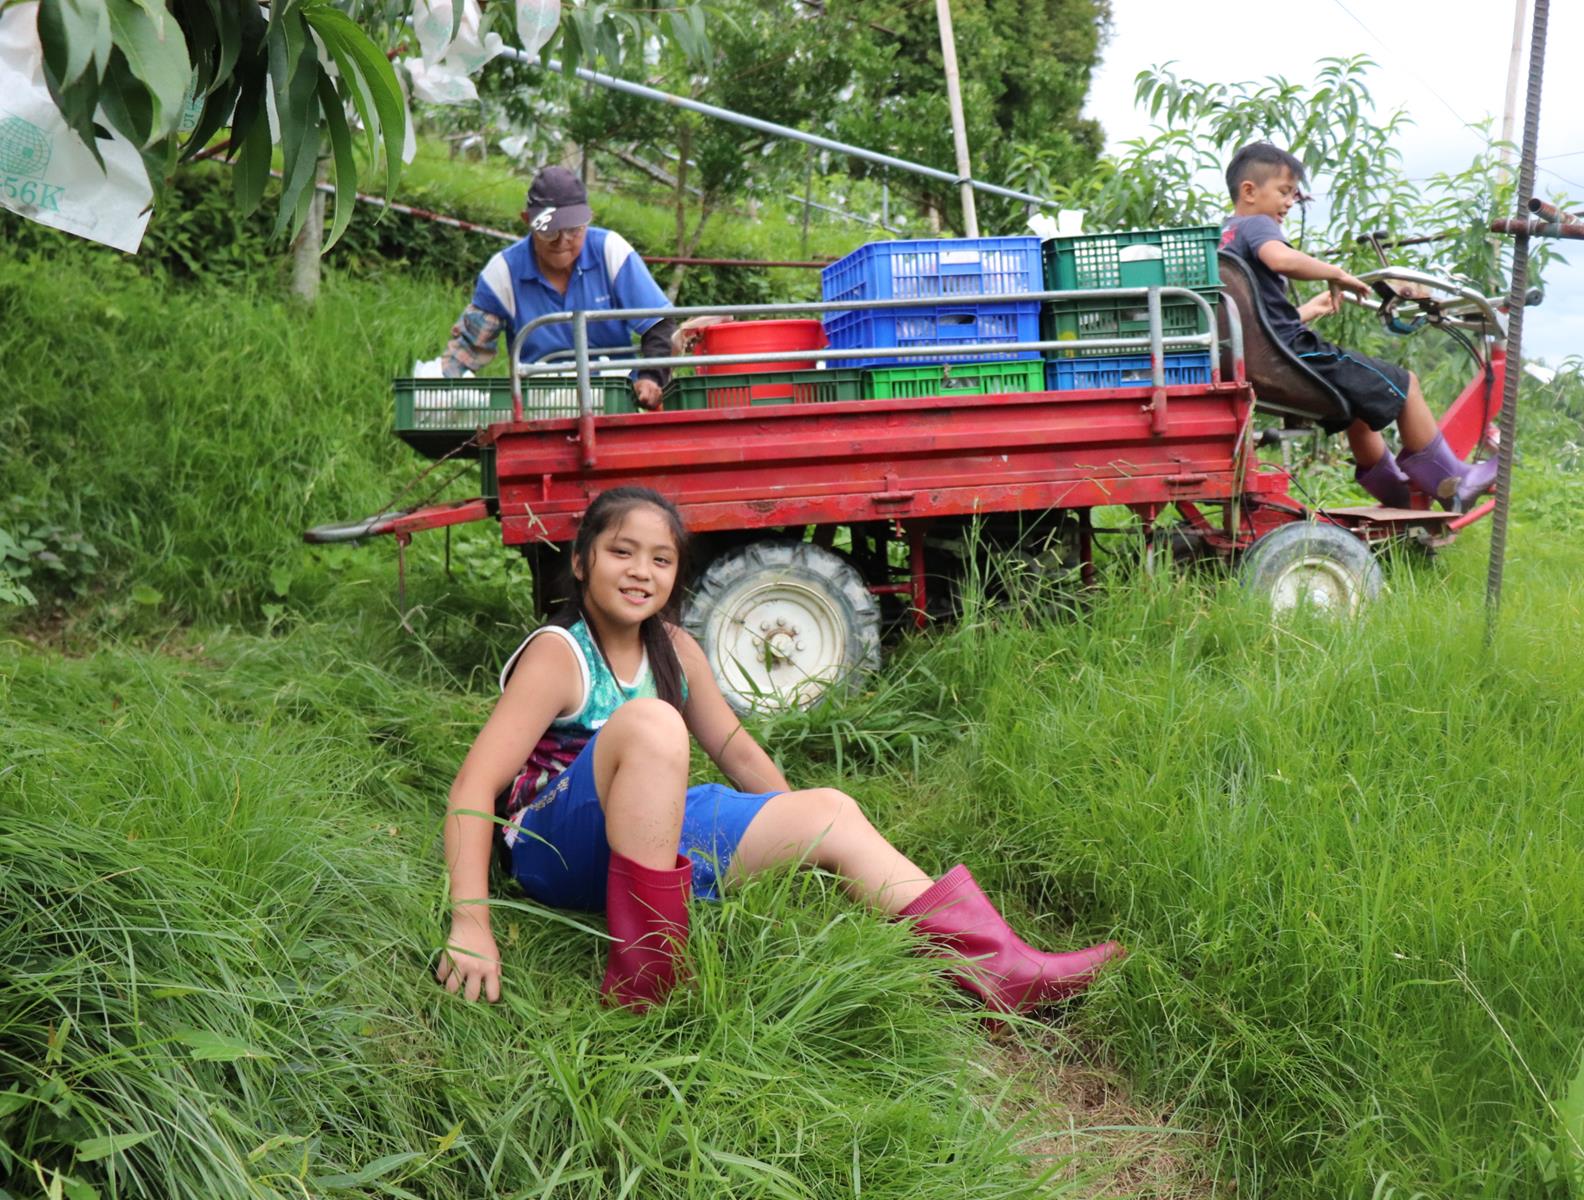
[1264,182]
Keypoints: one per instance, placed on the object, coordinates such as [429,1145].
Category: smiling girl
[599,704]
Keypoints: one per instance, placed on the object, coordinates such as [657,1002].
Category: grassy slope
[1345,859]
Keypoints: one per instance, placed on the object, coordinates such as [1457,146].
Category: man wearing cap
[564,264]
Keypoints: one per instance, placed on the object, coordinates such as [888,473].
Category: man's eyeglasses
[561,235]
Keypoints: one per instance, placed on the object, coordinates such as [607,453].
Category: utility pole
[959,132]
[1514,59]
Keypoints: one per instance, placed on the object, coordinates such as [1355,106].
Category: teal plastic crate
[956,379]
[764,387]
[1078,321]
[1184,257]
[436,416]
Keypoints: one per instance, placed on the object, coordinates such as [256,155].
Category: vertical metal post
[808,193]
[1514,59]
[959,132]
[1515,307]
[585,390]
[1157,404]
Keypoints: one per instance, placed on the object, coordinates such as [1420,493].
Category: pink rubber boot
[646,909]
[1006,972]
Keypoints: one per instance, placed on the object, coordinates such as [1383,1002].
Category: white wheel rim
[1318,581]
[778,644]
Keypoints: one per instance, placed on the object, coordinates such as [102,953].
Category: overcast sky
[1446,63]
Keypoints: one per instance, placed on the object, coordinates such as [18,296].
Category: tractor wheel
[1304,562]
[782,623]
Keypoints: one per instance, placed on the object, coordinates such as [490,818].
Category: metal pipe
[585,391]
[1529,227]
[954,103]
[770,127]
[1551,212]
[622,314]
[1157,353]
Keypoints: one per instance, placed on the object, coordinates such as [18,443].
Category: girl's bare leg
[640,769]
[824,827]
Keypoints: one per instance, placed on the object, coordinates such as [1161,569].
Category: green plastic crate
[764,387]
[959,379]
[1080,320]
[1183,257]
[436,416]
[489,481]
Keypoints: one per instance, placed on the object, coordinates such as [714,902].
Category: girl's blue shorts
[561,857]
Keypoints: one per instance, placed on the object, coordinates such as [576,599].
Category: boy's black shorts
[1375,389]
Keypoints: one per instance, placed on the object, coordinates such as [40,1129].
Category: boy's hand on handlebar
[1348,283]
[470,962]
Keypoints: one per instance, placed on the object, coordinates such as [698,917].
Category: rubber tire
[1326,563]
[811,588]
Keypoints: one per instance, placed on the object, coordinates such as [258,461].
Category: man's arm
[472,343]
[655,343]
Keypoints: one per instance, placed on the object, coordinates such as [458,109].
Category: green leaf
[1570,1111]
[253,166]
[127,105]
[294,74]
[102,1147]
[375,1170]
[12,1100]
[146,596]
[157,55]
[215,1047]
[73,33]
[345,193]
[356,57]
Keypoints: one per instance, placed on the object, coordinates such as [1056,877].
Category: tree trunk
[690,247]
[305,251]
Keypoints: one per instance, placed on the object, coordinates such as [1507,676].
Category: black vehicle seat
[1283,383]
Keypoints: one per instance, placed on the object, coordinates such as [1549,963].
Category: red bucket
[757,337]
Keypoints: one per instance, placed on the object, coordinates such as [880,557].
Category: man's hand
[647,392]
[470,962]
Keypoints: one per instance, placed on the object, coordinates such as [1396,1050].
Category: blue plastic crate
[1124,371]
[929,267]
[935,325]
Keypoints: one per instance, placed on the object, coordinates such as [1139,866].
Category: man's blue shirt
[608,274]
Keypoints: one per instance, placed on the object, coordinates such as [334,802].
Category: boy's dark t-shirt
[1244,236]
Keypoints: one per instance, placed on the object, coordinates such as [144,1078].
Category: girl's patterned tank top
[603,694]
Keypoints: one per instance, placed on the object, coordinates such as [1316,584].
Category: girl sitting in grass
[599,704]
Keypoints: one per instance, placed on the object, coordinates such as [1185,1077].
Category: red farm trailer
[822,519]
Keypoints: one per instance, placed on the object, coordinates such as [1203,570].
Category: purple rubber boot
[1385,481]
[1437,472]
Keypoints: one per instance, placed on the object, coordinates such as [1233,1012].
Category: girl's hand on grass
[470,962]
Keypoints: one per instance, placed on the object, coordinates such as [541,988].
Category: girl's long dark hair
[608,509]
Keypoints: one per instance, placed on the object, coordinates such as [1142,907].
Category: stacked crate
[939,269]
[438,417]
[1184,257]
